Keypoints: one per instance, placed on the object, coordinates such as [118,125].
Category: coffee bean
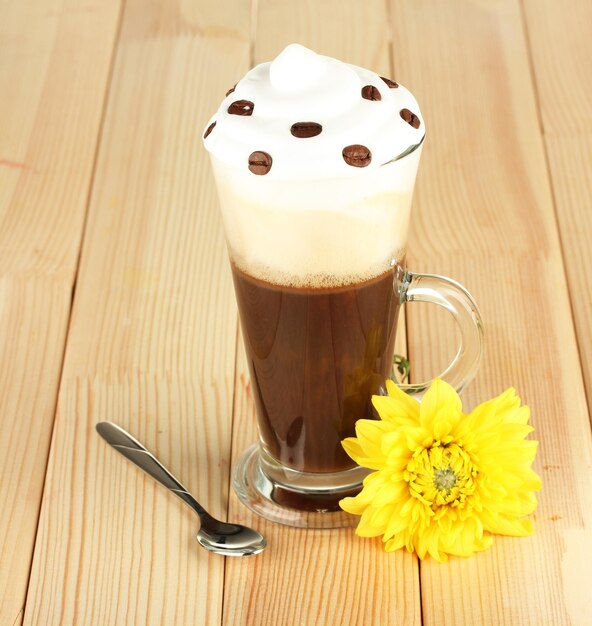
[209,129]
[369,92]
[357,155]
[410,118]
[231,89]
[260,162]
[306,129]
[391,83]
[241,107]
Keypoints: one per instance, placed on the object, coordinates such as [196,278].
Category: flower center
[445,479]
[441,475]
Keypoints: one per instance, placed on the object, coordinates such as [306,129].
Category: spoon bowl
[230,539]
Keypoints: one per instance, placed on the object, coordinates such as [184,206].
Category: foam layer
[349,106]
[303,211]
[321,233]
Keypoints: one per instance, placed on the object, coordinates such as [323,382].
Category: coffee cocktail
[316,356]
[315,163]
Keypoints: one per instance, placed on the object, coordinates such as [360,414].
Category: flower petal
[396,393]
[395,526]
[440,400]
[366,526]
[393,442]
[396,543]
[391,492]
[400,410]
[369,434]
[505,525]
[351,505]
[354,450]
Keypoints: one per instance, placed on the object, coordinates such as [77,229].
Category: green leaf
[402,366]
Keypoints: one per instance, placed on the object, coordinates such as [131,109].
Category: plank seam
[230,464]
[252,39]
[253,31]
[389,34]
[391,58]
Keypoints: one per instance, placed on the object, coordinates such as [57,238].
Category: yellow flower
[445,481]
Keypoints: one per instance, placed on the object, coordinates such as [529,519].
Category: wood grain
[316,576]
[152,339]
[562,79]
[51,108]
[485,216]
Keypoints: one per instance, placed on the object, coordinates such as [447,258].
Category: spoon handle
[135,452]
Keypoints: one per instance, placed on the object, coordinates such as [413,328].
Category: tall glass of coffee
[315,162]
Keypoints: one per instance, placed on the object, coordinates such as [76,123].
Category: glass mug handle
[452,296]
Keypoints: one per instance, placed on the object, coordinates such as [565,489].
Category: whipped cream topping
[305,115]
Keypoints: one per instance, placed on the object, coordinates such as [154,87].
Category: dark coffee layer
[316,357]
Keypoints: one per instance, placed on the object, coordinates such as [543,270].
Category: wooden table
[116,303]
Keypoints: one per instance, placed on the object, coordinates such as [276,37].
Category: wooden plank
[485,216]
[316,576]
[561,75]
[51,107]
[152,339]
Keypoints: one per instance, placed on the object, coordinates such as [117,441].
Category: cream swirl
[306,116]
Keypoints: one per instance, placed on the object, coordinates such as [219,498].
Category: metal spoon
[214,535]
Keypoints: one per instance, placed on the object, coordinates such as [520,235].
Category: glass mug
[319,274]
